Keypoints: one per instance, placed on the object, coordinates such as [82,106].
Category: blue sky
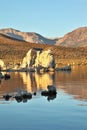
[50,18]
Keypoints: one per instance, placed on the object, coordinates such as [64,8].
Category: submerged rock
[23,96]
[45,93]
[7,76]
[51,97]
[34,93]
[51,89]
[18,98]
[50,93]
[27,95]
[7,97]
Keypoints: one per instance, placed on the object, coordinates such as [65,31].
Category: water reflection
[32,82]
[51,97]
[73,83]
[35,82]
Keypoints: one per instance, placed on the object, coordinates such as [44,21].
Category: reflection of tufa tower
[43,80]
[34,82]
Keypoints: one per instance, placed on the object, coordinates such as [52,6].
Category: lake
[66,111]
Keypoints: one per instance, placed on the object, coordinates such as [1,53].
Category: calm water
[67,111]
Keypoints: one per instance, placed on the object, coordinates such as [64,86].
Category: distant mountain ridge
[27,36]
[76,38]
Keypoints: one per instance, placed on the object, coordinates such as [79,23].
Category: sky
[50,18]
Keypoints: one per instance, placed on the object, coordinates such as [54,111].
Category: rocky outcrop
[38,59]
[1,64]
[44,59]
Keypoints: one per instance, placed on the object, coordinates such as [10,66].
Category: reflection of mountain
[74,83]
[12,85]
[78,90]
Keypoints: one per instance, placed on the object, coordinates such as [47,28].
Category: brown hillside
[76,38]
[14,50]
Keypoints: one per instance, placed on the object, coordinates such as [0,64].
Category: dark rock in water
[51,97]
[34,93]
[18,98]
[7,97]
[27,95]
[50,93]
[45,93]
[24,100]
[51,89]
[7,76]
[23,96]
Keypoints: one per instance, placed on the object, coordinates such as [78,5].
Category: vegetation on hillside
[14,50]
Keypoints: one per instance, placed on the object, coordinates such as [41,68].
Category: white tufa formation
[36,58]
[2,64]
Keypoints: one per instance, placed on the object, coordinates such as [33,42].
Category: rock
[65,68]
[7,76]
[29,59]
[24,100]
[51,89]
[45,93]
[1,75]
[18,98]
[27,95]
[1,64]
[7,97]
[50,93]
[51,97]
[45,59]
[34,93]
[23,96]
[41,60]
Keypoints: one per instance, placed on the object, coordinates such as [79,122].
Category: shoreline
[58,62]
[72,62]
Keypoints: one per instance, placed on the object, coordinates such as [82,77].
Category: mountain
[27,36]
[76,38]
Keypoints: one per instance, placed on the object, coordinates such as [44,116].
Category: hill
[12,50]
[26,36]
[76,38]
